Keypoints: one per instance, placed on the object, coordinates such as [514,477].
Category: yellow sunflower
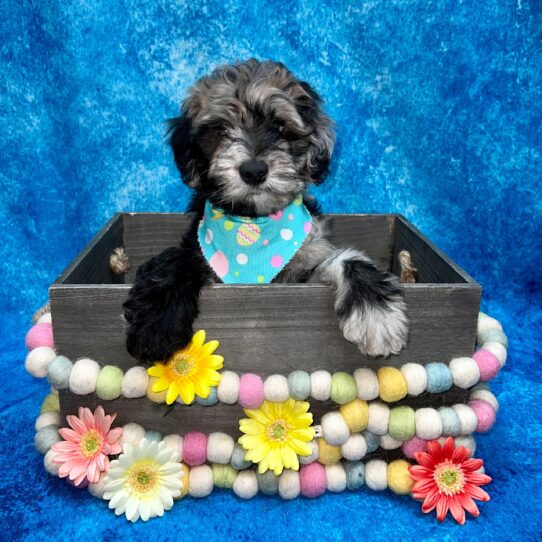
[190,371]
[276,433]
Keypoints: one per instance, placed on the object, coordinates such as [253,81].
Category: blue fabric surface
[438,106]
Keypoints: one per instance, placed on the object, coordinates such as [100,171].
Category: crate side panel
[271,329]
[146,235]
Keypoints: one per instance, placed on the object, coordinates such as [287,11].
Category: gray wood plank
[272,328]
[146,235]
[220,417]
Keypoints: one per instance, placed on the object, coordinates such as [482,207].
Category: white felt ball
[289,485]
[320,385]
[334,428]
[389,443]
[219,448]
[135,383]
[376,474]
[38,360]
[485,323]
[307,459]
[84,376]
[245,485]
[498,350]
[416,378]
[467,442]
[485,395]
[200,481]
[428,423]
[45,318]
[175,444]
[97,489]
[465,372]
[47,418]
[335,478]
[276,388]
[132,433]
[354,448]
[50,466]
[366,383]
[379,415]
[228,388]
[467,418]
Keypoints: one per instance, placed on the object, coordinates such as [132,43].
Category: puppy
[249,140]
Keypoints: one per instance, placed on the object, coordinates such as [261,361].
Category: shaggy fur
[250,138]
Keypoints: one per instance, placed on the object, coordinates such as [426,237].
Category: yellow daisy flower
[190,371]
[276,433]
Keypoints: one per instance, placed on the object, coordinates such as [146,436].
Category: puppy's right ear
[184,149]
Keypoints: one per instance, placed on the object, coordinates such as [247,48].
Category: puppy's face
[251,137]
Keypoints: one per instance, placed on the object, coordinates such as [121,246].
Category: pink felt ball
[485,414]
[40,335]
[312,479]
[195,448]
[251,391]
[488,364]
[413,445]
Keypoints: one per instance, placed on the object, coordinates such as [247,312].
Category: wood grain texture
[220,417]
[271,328]
[146,235]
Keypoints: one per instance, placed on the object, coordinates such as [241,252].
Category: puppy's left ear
[184,149]
[322,139]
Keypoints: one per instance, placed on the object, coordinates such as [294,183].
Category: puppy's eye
[223,132]
[279,127]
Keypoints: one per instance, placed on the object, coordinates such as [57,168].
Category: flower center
[91,443]
[182,364]
[142,476]
[449,478]
[278,430]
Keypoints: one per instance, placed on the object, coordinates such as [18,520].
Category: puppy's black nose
[253,171]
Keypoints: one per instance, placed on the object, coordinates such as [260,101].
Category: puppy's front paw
[377,330]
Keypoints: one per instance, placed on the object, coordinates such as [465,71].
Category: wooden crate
[266,329]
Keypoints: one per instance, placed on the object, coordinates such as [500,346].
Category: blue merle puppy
[249,140]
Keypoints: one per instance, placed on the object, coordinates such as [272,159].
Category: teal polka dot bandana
[245,250]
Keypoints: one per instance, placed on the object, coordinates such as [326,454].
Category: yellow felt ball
[356,415]
[328,454]
[184,489]
[399,480]
[155,397]
[393,386]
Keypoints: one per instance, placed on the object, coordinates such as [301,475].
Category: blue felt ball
[59,371]
[211,400]
[46,437]
[451,424]
[299,385]
[373,441]
[268,482]
[152,436]
[355,474]
[439,377]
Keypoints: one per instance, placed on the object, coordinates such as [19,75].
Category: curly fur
[243,113]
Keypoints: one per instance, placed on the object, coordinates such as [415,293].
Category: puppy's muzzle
[253,172]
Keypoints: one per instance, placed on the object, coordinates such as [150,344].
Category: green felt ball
[46,437]
[59,372]
[223,476]
[50,404]
[343,388]
[299,385]
[402,424]
[109,384]
[268,482]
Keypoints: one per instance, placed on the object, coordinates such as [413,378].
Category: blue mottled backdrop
[438,106]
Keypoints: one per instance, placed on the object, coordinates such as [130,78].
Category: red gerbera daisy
[446,479]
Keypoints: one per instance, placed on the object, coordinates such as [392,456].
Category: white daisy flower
[144,480]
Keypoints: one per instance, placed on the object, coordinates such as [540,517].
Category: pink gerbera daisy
[447,479]
[86,446]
